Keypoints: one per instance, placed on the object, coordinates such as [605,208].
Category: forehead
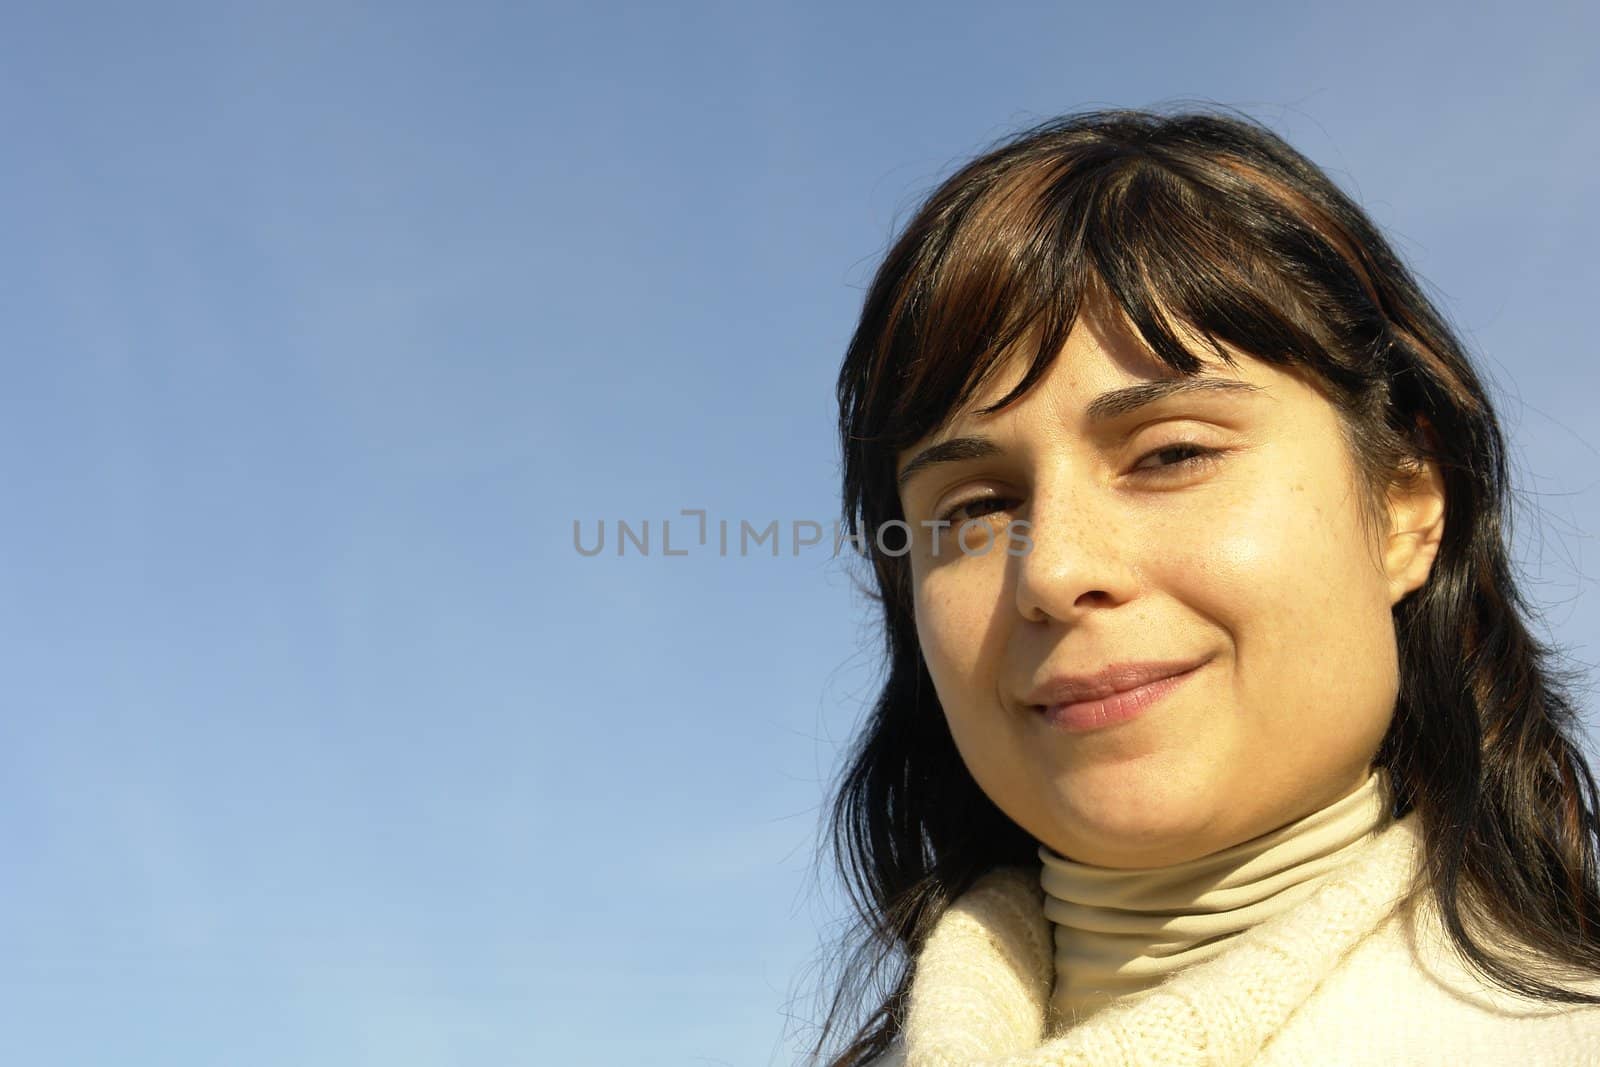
[1104,354]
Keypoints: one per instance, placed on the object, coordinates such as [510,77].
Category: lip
[1116,694]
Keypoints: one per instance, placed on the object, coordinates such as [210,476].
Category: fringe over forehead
[1214,224]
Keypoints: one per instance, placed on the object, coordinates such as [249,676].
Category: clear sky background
[321,745]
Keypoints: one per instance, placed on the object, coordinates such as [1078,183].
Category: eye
[972,509]
[1191,457]
[1194,456]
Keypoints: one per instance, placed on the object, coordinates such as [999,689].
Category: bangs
[1201,245]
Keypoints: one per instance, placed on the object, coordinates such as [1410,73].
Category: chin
[1128,822]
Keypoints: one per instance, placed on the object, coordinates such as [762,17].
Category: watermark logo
[975,537]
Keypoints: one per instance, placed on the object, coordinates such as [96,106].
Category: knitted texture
[984,974]
[1333,981]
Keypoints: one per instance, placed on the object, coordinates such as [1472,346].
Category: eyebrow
[1103,408]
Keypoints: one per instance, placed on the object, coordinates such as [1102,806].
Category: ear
[1416,526]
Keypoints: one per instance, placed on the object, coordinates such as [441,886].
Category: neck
[1119,933]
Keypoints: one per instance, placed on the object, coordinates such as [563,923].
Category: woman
[1213,730]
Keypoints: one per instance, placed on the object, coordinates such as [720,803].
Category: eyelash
[1200,457]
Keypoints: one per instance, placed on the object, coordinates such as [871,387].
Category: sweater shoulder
[1418,929]
[1420,1003]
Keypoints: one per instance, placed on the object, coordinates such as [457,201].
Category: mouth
[1081,714]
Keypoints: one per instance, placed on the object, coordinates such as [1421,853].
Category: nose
[1081,557]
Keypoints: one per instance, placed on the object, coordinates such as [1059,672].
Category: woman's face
[1253,560]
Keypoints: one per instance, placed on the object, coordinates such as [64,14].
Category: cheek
[1285,573]
[1261,558]
[958,629]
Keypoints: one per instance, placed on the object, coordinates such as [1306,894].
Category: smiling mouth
[1098,712]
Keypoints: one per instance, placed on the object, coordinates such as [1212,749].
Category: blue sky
[323,322]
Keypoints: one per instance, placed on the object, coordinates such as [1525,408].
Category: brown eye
[1191,456]
[973,509]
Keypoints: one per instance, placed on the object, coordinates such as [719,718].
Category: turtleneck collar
[1119,933]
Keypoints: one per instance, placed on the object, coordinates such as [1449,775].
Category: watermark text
[695,532]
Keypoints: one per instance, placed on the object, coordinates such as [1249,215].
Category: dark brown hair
[1209,220]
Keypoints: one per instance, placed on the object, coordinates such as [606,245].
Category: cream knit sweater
[1357,973]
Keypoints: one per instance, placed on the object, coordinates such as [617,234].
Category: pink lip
[1117,694]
